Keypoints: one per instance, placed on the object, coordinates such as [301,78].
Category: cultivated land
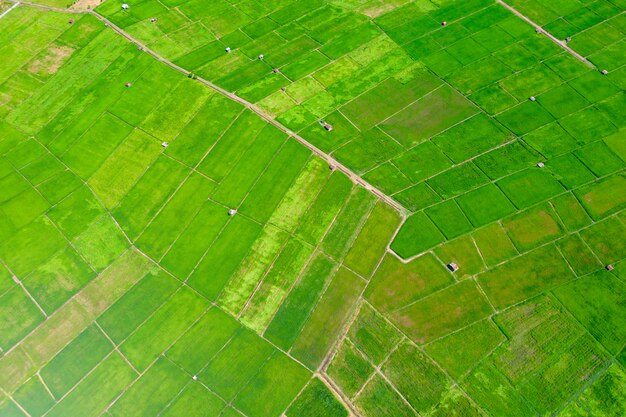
[126,136]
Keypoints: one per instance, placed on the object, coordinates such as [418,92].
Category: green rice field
[313,208]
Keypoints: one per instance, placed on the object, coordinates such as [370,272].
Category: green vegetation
[192,219]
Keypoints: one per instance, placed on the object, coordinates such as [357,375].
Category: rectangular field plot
[408,368]
[163,327]
[379,399]
[148,194]
[373,335]
[461,351]
[430,115]
[19,316]
[398,284]
[349,369]
[539,326]
[92,395]
[525,276]
[533,227]
[203,340]
[329,316]
[137,304]
[427,319]
[289,319]
[75,360]
[316,400]
[594,301]
[193,242]
[267,394]
[239,361]
[165,228]
[57,279]
[152,392]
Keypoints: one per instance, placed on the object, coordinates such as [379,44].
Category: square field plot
[485,205]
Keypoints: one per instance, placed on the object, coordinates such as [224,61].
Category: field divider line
[553,38]
[292,235]
[421,349]
[182,183]
[116,347]
[54,224]
[329,159]
[21,284]
[212,304]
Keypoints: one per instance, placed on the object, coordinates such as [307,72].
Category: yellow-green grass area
[117,240]
[126,288]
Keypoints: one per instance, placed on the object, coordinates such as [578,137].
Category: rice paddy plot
[165,250]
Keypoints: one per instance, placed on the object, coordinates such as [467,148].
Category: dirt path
[559,42]
[332,162]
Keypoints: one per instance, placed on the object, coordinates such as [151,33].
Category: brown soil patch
[50,63]
[86,4]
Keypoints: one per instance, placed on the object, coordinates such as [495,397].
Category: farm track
[332,162]
[539,29]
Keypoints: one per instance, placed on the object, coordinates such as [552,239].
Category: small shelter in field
[125,6]
[609,267]
[128,85]
[453,267]
[326,126]
[232,212]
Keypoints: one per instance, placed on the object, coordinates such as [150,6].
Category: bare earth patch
[50,63]
[86,4]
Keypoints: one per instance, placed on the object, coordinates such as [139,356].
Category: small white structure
[533,98]
[604,72]
[154,19]
[275,70]
[228,49]
[332,167]
[261,57]
[165,144]
[540,165]
[195,377]
[453,267]
[568,39]
[128,85]
[125,6]
[444,23]
[609,267]
[232,212]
